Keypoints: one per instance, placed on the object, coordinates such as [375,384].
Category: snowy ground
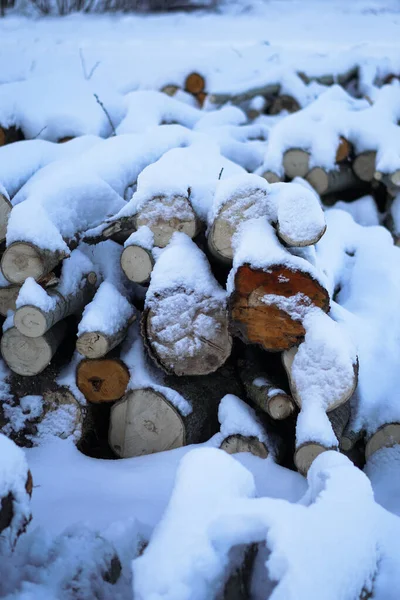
[130,52]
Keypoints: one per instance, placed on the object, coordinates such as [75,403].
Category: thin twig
[220,173]
[99,102]
[41,131]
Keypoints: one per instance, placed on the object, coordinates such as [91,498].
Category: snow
[108,312]
[19,161]
[363,264]
[193,274]
[67,109]
[13,477]
[336,539]
[187,562]
[323,375]
[257,244]
[32,294]
[143,237]
[30,407]
[235,416]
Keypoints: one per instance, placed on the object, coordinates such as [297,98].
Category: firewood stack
[166,277]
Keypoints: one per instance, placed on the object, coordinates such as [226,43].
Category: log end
[144,422]
[236,443]
[22,260]
[280,407]
[306,454]
[24,355]
[195,83]
[30,321]
[92,344]
[386,436]
[102,380]
[137,264]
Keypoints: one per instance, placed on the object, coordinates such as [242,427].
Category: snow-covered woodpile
[193,265]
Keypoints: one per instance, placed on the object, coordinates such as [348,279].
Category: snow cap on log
[241,431]
[185,323]
[270,289]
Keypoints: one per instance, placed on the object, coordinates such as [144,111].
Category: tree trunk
[33,322]
[23,259]
[30,356]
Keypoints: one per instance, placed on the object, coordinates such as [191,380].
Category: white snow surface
[13,477]
[143,237]
[33,294]
[183,265]
[364,264]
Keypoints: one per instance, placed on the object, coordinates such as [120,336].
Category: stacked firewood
[166,277]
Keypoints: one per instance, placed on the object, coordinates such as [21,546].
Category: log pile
[176,278]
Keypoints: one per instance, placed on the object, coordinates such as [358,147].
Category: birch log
[386,436]
[30,356]
[23,259]
[331,182]
[137,260]
[185,322]
[364,165]
[33,321]
[258,374]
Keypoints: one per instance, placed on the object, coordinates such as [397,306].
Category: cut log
[10,135]
[144,422]
[170,412]
[267,301]
[262,389]
[296,163]
[33,321]
[137,263]
[8,297]
[102,380]
[350,439]
[240,443]
[331,182]
[185,322]
[244,203]
[364,165]
[195,83]
[201,98]
[30,356]
[170,89]
[283,102]
[343,150]
[386,436]
[268,89]
[5,209]
[306,453]
[96,344]
[338,364]
[164,215]
[271,177]
[137,260]
[23,259]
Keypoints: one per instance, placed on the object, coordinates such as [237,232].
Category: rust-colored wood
[65,139]
[343,150]
[195,83]
[2,137]
[267,325]
[102,380]
[201,97]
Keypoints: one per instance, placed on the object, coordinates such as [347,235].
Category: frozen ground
[130,52]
